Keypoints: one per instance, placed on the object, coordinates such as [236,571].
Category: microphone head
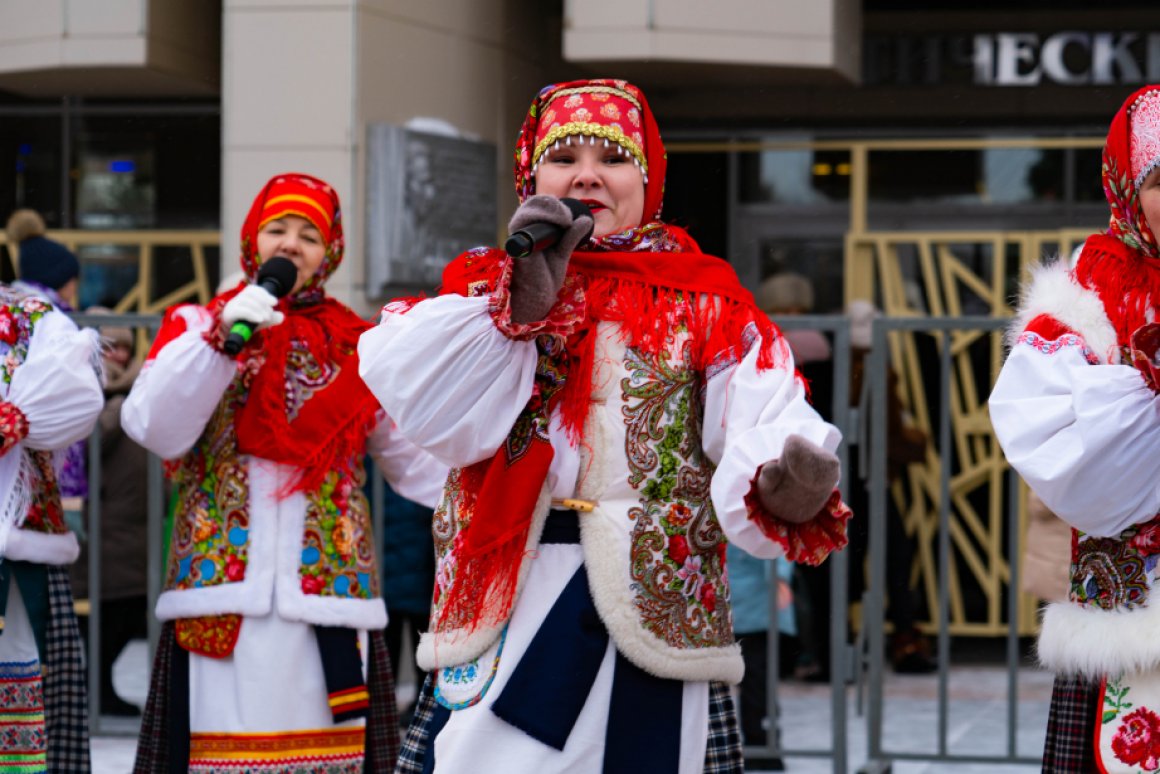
[580,209]
[278,275]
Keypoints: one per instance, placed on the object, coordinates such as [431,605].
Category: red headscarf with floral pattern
[1123,264]
[306,405]
[603,108]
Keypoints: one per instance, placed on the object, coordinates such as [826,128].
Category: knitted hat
[42,260]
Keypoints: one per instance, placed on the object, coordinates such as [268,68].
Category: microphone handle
[242,330]
[532,238]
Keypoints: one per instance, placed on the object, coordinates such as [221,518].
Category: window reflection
[795,176]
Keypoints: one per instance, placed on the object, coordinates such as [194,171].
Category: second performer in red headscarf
[272,652]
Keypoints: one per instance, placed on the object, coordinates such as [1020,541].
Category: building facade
[168,114]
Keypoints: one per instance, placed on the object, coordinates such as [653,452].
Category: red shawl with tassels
[330,427]
[652,295]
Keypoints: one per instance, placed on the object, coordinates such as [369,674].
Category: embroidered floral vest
[1115,573]
[19,315]
[651,481]
[210,539]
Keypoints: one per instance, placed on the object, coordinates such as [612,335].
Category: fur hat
[786,292]
[42,260]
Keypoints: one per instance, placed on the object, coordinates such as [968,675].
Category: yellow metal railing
[140,297]
[874,270]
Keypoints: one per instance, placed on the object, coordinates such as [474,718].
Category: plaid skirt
[382,726]
[66,713]
[1070,744]
[722,751]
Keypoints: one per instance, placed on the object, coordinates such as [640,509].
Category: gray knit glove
[537,278]
[795,486]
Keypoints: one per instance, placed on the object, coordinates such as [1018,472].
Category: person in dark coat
[123,547]
[408,575]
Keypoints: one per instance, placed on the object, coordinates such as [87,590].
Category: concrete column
[302,79]
[288,85]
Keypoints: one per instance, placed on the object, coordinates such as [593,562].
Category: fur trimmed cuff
[13,426]
[564,317]
[809,542]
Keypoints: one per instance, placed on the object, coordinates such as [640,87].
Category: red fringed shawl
[653,297]
[330,427]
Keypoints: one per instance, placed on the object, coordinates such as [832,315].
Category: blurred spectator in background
[408,582]
[750,580]
[908,649]
[786,295]
[122,541]
[50,271]
[1046,553]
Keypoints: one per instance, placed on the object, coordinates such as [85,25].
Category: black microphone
[277,277]
[537,236]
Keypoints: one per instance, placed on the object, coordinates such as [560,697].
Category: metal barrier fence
[842,662]
[846,661]
[879,757]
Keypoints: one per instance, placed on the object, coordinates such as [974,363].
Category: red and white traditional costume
[654,391]
[50,397]
[272,581]
[1077,413]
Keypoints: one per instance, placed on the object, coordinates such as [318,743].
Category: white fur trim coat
[1081,428]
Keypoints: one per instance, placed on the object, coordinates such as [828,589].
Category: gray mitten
[796,486]
[537,278]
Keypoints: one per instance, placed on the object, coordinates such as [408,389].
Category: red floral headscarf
[1122,265]
[601,108]
[1131,152]
[308,197]
[319,336]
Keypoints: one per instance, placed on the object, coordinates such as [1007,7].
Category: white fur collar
[1053,291]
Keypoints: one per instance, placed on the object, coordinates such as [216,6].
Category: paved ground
[976,720]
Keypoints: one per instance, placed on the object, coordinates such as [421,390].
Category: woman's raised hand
[537,278]
[796,486]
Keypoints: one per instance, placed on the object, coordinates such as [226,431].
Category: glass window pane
[794,177]
[1089,186]
[148,171]
[30,166]
[818,260]
[985,176]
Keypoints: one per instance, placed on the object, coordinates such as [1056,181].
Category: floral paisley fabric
[1128,729]
[19,315]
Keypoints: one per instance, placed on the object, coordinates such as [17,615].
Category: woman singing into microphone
[272,653]
[616,409]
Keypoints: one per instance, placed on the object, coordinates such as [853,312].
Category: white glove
[255,305]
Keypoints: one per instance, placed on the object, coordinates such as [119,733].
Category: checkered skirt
[722,752]
[66,716]
[1070,744]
